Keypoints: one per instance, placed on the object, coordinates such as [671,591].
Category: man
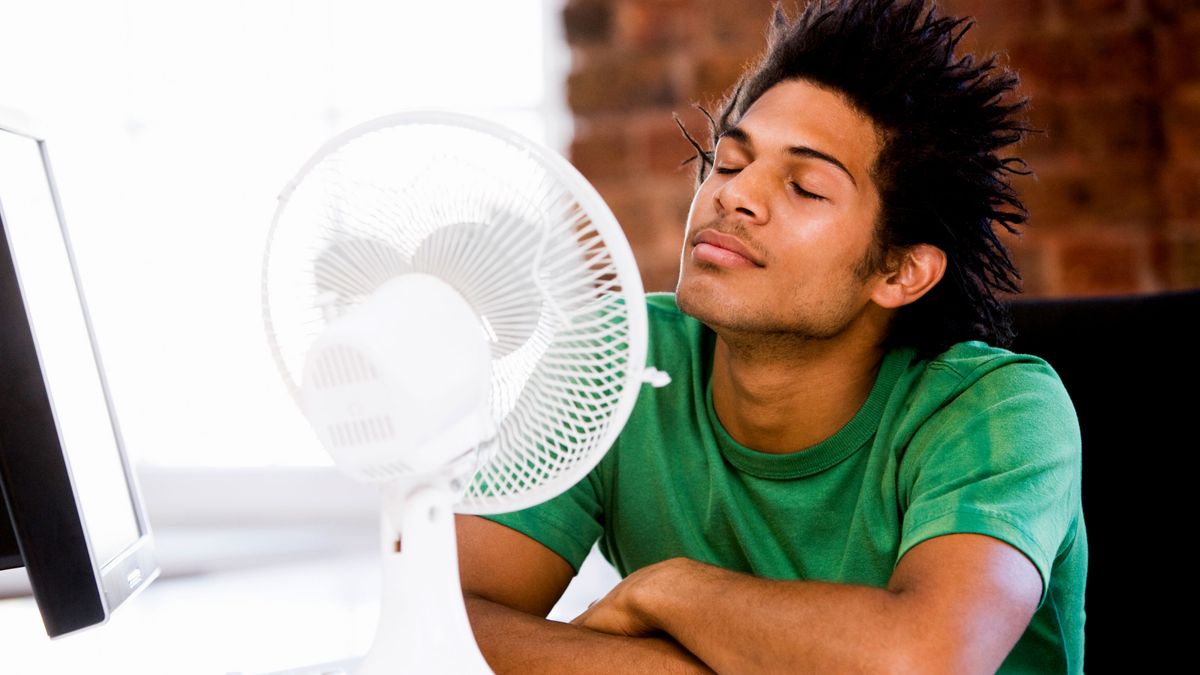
[842,476]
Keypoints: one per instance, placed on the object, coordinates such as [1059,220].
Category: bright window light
[172,126]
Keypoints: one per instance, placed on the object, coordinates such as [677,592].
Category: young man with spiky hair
[848,472]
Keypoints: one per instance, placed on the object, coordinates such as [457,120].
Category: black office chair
[1121,359]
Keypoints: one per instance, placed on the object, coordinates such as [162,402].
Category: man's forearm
[513,641]
[954,604]
[739,623]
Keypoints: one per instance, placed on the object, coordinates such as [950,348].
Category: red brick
[997,17]
[659,266]
[658,257]
[653,215]
[1044,62]
[1095,128]
[621,82]
[1184,228]
[601,153]
[713,76]
[631,210]
[674,199]
[1179,54]
[1091,267]
[655,242]
[1083,12]
[695,121]
[655,26]
[1031,259]
[667,151]
[1181,122]
[1078,62]
[1101,128]
[1115,60]
[587,21]
[1049,117]
[1122,192]
[1181,192]
[1174,11]
[742,22]
[1183,263]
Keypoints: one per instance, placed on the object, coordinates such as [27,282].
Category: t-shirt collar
[849,439]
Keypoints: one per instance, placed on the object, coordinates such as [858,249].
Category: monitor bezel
[73,589]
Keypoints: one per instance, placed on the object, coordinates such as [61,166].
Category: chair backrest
[1132,368]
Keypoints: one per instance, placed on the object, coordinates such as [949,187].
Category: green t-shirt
[977,440]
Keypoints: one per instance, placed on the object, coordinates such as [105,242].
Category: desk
[254,620]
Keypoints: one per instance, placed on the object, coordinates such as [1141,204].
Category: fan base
[423,626]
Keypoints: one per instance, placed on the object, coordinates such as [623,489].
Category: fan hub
[399,384]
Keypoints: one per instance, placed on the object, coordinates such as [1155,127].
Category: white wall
[173,125]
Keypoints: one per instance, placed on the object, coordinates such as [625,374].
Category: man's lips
[723,249]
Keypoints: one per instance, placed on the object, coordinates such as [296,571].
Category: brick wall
[1115,203]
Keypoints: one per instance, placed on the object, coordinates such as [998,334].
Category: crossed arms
[956,603]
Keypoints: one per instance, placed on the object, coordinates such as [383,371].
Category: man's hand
[618,612]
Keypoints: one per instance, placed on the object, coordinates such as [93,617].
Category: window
[173,126]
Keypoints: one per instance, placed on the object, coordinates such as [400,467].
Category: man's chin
[699,301]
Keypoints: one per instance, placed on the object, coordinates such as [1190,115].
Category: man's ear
[912,272]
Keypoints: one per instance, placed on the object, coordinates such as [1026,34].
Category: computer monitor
[71,511]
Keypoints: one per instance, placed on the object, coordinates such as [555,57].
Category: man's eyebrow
[739,136]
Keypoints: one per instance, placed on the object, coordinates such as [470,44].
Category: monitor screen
[62,465]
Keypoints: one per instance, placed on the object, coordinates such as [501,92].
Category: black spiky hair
[942,118]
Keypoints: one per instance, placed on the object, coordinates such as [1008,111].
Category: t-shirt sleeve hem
[549,533]
[978,521]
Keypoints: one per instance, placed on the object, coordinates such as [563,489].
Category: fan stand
[423,626]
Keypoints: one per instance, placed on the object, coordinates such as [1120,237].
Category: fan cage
[520,234]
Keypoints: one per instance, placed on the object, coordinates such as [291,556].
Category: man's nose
[745,194]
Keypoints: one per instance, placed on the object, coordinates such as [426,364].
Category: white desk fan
[461,320]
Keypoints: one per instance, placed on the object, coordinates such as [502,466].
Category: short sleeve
[1001,458]
[568,524]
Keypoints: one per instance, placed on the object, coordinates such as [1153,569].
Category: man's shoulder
[974,378]
[975,357]
[973,364]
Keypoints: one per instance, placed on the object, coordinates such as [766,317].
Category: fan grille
[523,238]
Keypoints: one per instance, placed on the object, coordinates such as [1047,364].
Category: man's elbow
[939,652]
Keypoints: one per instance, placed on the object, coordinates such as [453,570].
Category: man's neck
[783,394]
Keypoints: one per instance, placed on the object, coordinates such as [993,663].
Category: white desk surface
[254,620]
